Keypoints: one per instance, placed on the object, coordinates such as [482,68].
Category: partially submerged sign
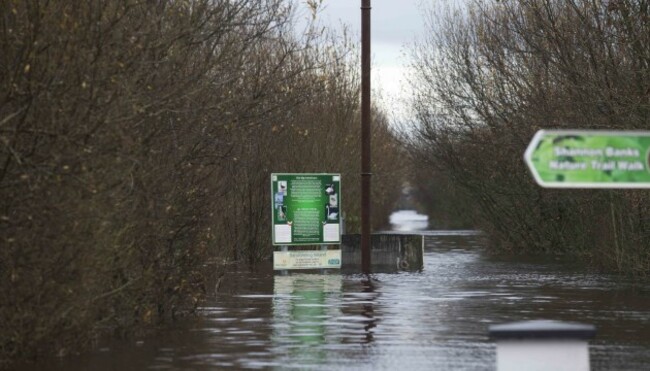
[590,159]
[307,259]
[306,209]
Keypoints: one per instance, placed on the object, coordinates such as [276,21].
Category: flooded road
[436,319]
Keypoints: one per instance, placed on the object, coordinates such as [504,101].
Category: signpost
[590,159]
[306,210]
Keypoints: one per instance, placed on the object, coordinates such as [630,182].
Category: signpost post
[590,159]
[366,133]
[306,210]
[572,159]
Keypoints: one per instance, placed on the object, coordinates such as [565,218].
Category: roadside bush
[489,76]
[136,143]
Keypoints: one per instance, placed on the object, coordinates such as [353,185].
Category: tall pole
[365,136]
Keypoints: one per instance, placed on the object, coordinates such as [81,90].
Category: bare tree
[487,78]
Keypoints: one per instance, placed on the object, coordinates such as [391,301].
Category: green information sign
[306,209]
[590,159]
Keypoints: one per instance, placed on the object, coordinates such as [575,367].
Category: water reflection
[368,288]
[433,319]
[317,315]
[302,305]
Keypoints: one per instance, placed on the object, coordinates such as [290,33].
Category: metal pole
[365,136]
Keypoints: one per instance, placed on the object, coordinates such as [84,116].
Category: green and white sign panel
[306,259]
[306,209]
[590,159]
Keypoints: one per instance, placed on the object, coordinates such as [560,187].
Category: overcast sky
[394,25]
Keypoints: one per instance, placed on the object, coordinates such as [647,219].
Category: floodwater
[436,319]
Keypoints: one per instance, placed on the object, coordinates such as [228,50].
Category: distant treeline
[137,140]
[488,76]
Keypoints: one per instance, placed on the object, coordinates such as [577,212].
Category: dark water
[436,319]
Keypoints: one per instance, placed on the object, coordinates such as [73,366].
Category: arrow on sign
[590,159]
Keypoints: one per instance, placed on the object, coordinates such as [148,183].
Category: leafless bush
[487,78]
[136,143]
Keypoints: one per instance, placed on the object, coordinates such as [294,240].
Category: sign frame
[598,154]
[291,213]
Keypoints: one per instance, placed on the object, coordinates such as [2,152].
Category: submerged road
[434,319]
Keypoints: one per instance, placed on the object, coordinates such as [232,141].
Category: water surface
[434,319]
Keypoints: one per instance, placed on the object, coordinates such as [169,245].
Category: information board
[306,259]
[590,159]
[306,209]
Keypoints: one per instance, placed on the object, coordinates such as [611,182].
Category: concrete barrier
[389,253]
